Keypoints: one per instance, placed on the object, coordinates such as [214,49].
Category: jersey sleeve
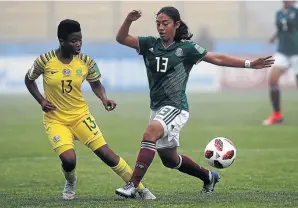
[145,43]
[37,68]
[93,70]
[196,53]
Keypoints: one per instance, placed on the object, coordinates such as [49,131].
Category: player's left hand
[261,63]
[109,104]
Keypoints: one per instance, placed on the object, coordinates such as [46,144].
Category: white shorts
[286,62]
[172,120]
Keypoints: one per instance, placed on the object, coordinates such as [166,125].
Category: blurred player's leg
[171,159]
[68,159]
[282,63]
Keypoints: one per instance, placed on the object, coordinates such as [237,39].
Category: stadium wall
[123,70]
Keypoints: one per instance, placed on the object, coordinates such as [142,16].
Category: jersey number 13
[162,64]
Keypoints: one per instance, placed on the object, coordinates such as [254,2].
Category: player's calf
[170,162]
[107,156]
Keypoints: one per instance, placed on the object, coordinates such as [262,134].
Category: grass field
[263,175]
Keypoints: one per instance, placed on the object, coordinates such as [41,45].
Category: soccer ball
[220,152]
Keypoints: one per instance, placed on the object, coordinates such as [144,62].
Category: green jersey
[287,27]
[168,70]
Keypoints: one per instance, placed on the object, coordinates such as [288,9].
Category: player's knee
[274,87]
[273,82]
[149,136]
[274,75]
[154,132]
[68,164]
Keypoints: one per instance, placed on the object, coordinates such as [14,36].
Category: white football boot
[69,190]
[128,191]
[146,194]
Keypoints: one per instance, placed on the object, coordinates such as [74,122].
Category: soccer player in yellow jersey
[66,113]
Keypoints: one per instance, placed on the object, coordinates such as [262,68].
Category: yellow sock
[125,172]
[70,176]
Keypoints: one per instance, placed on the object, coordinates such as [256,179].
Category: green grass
[263,175]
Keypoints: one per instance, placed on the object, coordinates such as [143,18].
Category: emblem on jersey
[79,72]
[56,139]
[199,49]
[151,50]
[292,15]
[179,52]
[66,72]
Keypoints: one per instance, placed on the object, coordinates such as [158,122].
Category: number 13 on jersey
[162,64]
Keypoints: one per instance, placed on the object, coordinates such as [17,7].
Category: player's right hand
[134,15]
[47,106]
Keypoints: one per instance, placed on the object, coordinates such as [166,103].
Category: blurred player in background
[169,60]
[66,113]
[286,56]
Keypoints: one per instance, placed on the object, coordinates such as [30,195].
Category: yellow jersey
[62,84]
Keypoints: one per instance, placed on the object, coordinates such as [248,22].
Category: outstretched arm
[123,37]
[100,92]
[228,61]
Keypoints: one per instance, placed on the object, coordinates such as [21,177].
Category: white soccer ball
[220,152]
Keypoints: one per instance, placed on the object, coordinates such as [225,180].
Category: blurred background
[239,28]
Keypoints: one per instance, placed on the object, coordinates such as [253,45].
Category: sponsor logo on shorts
[56,139]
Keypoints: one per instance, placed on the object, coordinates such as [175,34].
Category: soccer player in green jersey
[169,60]
[286,56]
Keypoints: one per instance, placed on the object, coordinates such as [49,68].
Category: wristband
[247,63]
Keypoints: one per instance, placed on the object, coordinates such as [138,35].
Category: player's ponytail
[182,32]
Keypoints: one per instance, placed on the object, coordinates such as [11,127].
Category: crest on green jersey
[179,52]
